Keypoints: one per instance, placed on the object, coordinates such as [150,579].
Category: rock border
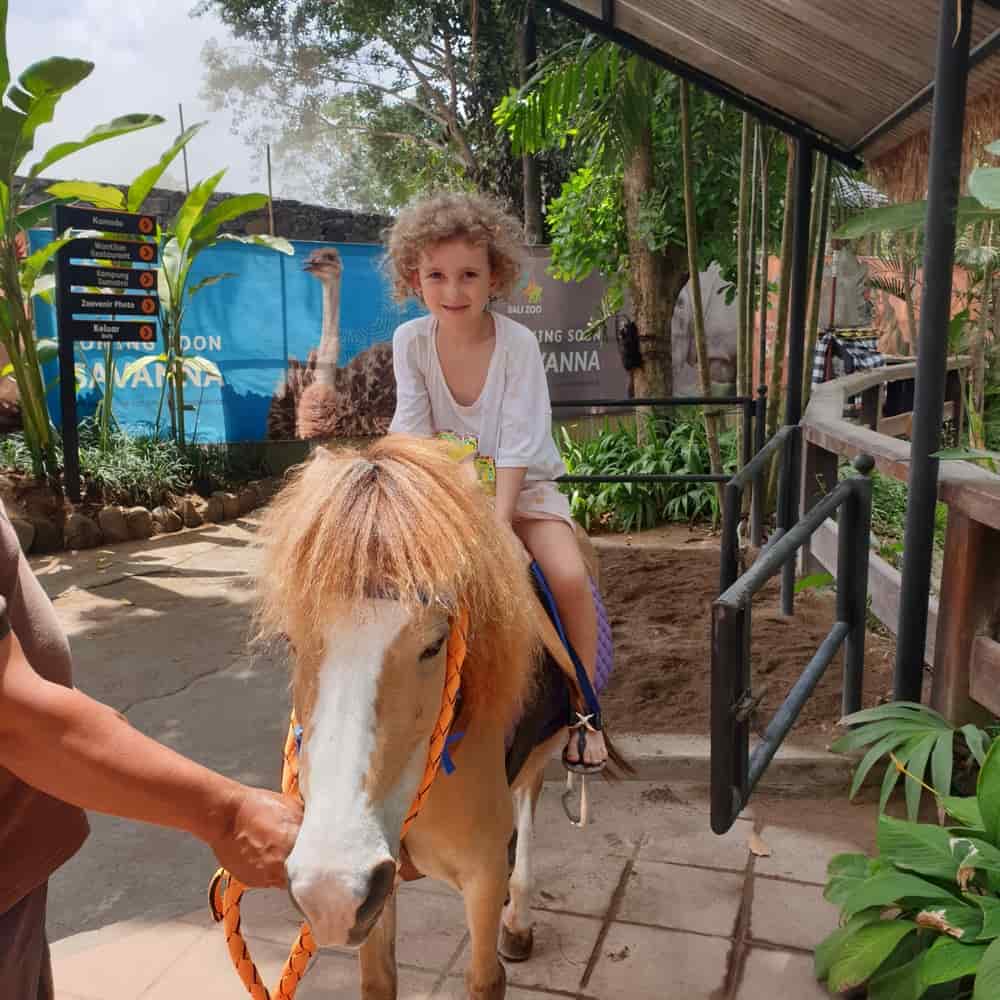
[114,524]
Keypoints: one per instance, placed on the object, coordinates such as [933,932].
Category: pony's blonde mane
[396,520]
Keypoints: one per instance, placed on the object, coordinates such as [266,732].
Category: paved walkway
[645,903]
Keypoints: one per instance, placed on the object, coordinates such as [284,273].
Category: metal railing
[753,427]
[787,441]
[734,771]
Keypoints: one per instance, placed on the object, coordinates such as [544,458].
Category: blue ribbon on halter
[446,762]
[446,759]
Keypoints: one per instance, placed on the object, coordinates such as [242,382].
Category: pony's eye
[433,649]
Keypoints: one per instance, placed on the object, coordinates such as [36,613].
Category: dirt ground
[658,588]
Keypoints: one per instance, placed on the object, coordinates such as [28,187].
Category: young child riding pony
[475,377]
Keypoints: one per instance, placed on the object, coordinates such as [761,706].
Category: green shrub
[145,471]
[677,446]
[889,515]
[132,471]
[922,918]
[919,739]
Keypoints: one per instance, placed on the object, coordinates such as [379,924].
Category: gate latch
[747,706]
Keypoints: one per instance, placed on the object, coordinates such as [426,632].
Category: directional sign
[106,289]
[111,327]
[85,302]
[102,252]
[124,223]
[107,285]
[117,279]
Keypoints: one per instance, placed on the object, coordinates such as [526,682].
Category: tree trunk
[534,232]
[655,281]
[701,345]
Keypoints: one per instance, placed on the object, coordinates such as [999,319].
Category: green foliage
[30,103]
[676,447]
[587,225]
[984,182]
[922,918]
[594,101]
[815,581]
[908,216]
[368,104]
[193,229]
[889,515]
[145,470]
[913,737]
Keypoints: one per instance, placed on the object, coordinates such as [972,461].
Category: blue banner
[258,326]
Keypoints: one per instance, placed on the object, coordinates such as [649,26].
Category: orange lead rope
[225,891]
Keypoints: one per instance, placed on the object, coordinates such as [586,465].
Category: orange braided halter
[225,891]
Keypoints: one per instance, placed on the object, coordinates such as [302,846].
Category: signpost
[106,290]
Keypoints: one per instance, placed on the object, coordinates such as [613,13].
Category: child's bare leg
[553,545]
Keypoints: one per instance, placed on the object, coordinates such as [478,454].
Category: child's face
[455,280]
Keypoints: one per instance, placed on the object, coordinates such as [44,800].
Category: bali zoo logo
[527,297]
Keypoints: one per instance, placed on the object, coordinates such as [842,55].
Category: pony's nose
[380,885]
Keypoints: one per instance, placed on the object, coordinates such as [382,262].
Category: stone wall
[294,220]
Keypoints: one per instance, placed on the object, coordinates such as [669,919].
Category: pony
[375,564]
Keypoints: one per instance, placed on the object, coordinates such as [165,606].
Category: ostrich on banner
[321,399]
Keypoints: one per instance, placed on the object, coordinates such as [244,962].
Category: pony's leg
[516,935]
[483,894]
[378,957]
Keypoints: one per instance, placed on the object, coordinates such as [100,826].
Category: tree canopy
[369,104]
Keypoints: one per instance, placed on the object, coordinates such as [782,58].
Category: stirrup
[583,817]
[583,725]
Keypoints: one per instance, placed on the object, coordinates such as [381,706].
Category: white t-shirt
[511,421]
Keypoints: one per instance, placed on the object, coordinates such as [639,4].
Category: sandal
[583,725]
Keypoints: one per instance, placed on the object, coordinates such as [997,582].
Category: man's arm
[78,750]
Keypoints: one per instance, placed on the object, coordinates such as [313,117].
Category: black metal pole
[853,538]
[797,305]
[730,749]
[947,126]
[67,367]
[67,404]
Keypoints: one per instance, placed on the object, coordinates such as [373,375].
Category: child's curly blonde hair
[445,216]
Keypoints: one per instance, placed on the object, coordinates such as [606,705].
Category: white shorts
[541,501]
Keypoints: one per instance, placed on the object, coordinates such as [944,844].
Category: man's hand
[259,837]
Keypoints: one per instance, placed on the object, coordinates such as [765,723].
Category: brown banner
[578,366]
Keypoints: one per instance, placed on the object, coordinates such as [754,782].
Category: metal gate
[735,771]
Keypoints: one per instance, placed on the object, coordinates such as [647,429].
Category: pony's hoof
[514,946]
[497,990]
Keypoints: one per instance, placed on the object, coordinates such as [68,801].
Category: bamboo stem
[742,268]
[821,213]
[781,331]
[701,346]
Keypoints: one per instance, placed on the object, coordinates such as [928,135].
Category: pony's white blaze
[345,836]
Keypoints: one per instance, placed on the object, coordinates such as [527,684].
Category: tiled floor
[646,904]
